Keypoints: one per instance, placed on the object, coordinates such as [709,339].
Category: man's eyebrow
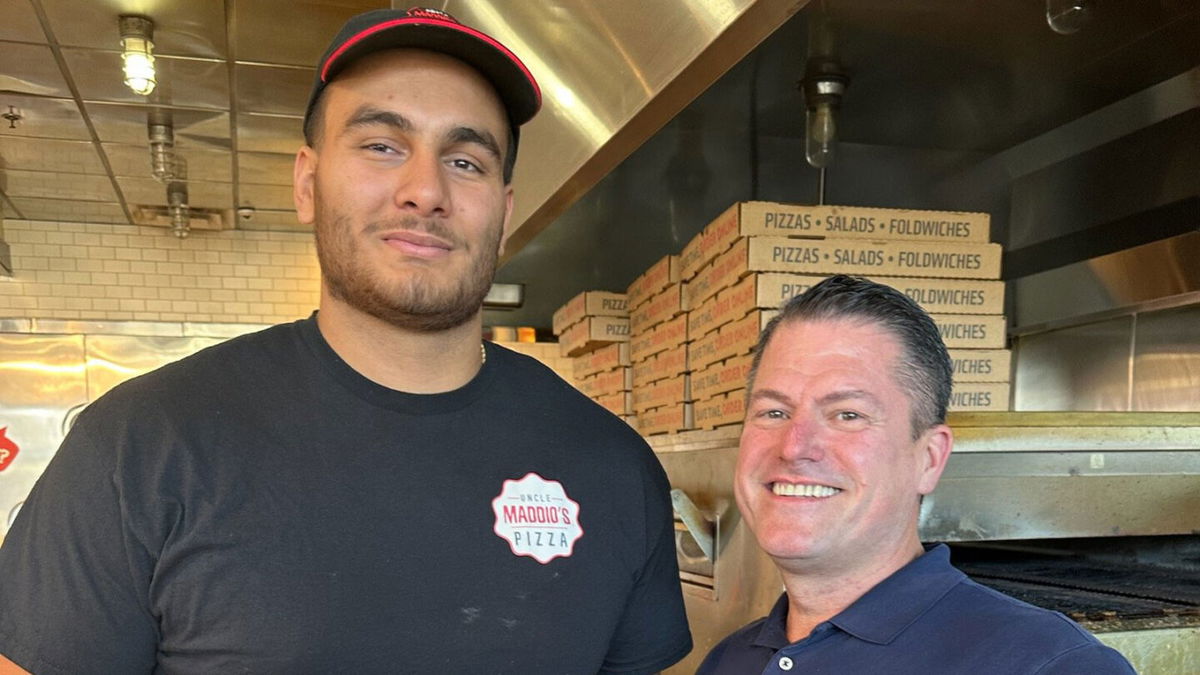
[846,395]
[481,138]
[772,394]
[369,115]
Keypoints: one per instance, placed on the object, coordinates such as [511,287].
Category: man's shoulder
[211,371]
[984,604]
[541,386]
[1012,631]
[553,405]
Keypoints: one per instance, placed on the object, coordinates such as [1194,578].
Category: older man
[372,489]
[844,433]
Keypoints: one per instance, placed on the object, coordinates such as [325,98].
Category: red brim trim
[435,22]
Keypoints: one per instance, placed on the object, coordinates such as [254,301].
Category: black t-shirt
[261,507]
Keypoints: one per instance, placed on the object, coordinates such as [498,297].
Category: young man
[845,431]
[371,489]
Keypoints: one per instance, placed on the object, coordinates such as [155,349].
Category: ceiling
[235,83]
[234,76]
[609,179]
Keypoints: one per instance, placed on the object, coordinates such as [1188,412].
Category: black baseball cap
[435,30]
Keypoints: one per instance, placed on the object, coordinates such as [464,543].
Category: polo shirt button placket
[785,663]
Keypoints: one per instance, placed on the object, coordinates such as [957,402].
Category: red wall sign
[8,449]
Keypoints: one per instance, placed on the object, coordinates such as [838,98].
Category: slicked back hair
[924,370]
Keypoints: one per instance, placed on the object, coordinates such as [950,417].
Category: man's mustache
[414,224]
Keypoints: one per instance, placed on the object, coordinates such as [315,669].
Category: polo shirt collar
[883,612]
[895,603]
[773,632]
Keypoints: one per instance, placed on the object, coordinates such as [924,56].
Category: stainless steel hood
[612,73]
[657,116]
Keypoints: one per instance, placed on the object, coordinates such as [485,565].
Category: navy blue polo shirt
[928,617]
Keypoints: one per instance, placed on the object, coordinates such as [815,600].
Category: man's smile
[783,489]
[417,244]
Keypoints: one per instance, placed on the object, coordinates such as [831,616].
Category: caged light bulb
[820,135]
[137,53]
[1068,16]
[139,71]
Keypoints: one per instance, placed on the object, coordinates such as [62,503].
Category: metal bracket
[710,530]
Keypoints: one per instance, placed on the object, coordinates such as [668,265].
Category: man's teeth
[794,490]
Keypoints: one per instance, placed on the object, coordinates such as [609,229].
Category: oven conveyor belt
[1093,591]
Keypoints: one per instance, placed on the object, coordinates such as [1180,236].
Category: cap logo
[427,13]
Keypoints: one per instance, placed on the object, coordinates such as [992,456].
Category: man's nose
[422,189]
[802,441]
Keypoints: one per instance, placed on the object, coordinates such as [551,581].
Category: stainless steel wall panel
[1108,283]
[42,377]
[50,370]
[1079,368]
[220,330]
[1166,360]
[1013,495]
[153,328]
[112,359]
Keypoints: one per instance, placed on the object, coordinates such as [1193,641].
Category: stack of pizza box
[658,349]
[591,320]
[756,255]
[605,376]
[593,329]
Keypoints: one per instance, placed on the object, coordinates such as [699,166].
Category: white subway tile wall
[125,272]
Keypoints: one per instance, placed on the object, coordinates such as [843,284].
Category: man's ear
[936,444]
[508,206]
[303,184]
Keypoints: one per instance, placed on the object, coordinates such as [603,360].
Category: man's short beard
[405,302]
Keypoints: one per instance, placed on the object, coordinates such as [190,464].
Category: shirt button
[785,663]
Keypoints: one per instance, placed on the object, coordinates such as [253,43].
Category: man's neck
[818,592]
[403,360]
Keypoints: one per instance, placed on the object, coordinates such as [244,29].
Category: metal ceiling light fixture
[1068,16]
[177,201]
[161,131]
[823,85]
[137,52]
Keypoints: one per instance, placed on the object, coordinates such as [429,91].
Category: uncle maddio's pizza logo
[537,518]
